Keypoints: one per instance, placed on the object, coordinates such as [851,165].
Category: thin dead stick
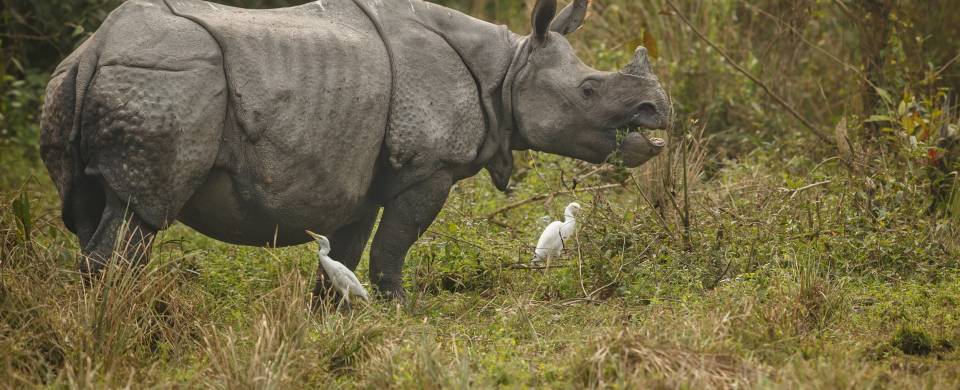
[528,267]
[460,240]
[803,39]
[619,272]
[500,223]
[663,223]
[545,196]
[941,70]
[580,265]
[599,169]
[574,301]
[783,103]
[794,192]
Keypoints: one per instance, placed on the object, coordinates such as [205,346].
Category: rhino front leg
[404,219]
[347,245]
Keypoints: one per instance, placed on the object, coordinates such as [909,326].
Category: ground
[784,277]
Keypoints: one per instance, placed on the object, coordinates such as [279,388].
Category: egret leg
[404,219]
[347,246]
[343,301]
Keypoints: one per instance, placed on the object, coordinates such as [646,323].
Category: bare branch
[535,198]
[823,137]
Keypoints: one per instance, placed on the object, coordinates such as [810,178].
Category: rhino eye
[588,88]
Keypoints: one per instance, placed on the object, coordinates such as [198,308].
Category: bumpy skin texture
[254,126]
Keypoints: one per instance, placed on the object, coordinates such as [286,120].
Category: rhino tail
[81,195]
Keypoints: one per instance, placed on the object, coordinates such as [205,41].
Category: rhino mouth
[634,147]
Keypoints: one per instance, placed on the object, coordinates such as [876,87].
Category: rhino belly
[222,209]
[309,91]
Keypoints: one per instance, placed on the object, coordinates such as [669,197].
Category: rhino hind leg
[85,205]
[120,234]
[346,245]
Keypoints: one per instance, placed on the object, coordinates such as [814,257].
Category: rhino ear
[543,14]
[571,18]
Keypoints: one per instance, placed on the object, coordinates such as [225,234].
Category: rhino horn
[639,65]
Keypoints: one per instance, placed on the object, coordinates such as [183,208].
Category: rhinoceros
[253,126]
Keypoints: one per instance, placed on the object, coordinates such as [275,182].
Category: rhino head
[564,107]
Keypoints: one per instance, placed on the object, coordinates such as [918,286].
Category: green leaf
[21,210]
[884,95]
[879,118]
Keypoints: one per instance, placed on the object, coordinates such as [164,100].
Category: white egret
[344,280]
[551,240]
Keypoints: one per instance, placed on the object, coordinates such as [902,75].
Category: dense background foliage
[753,253]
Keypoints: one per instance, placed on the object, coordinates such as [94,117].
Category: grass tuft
[912,341]
[627,360]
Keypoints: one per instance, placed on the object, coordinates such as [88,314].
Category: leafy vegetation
[751,254]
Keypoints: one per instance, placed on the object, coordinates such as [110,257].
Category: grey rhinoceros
[252,126]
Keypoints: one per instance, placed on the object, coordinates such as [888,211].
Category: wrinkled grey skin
[254,126]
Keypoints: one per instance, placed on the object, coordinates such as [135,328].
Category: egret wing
[356,288]
[567,229]
[550,242]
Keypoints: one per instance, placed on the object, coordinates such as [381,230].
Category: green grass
[774,287]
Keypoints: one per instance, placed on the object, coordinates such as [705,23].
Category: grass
[746,256]
[776,284]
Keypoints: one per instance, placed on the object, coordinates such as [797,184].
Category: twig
[822,163]
[686,196]
[26,36]
[602,168]
[803,39]
[574,301]
[844,8]
[499,223]
[653,209]
[811,235]
[719,277]
[530,267]
[783,103]
[941,70]
[535,198]
[794,192]
[580,265]
[460,240]
[619,272]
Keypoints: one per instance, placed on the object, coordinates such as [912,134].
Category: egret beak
[314,235]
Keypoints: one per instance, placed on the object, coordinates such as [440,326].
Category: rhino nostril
[647,115]
[647,109]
